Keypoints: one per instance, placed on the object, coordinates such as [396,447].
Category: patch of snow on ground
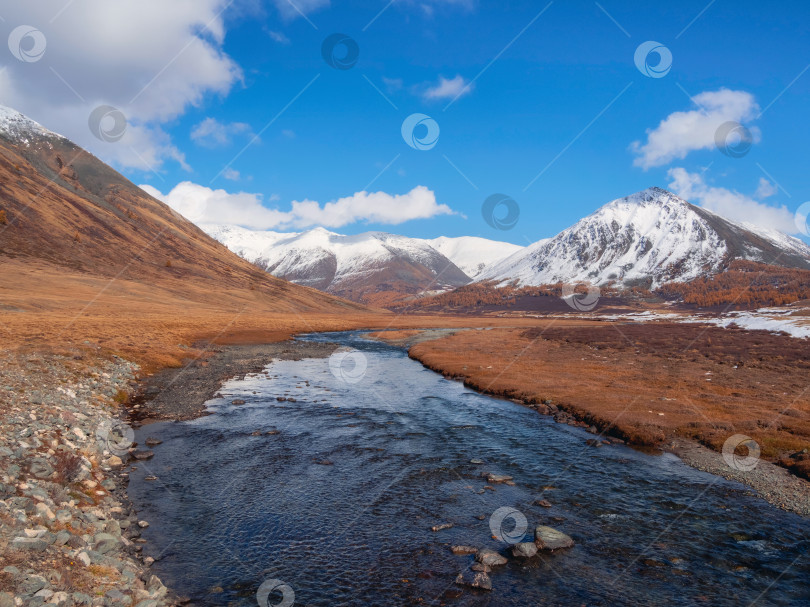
[763,320]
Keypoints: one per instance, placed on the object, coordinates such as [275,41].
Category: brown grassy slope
[646,382]
[86,254]
[65,207]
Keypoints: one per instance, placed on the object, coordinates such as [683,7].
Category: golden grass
[646,383]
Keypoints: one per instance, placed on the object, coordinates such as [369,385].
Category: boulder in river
[153,442]
[498,478]
[474,579]
[237,401]
[524,550]
[441,526]
[463,549]
[141,455]
[476,566]
[490,557]
[548,538]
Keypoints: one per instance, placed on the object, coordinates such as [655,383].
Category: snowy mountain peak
[19,127]
[648,238]
[363,265]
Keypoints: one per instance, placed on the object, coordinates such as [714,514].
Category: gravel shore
[68,532]
[772,483]
[181,394]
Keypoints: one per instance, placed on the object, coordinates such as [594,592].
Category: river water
[334,494]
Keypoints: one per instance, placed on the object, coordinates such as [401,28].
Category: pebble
[474,579]
[490,557]
[524,550]
[548,538]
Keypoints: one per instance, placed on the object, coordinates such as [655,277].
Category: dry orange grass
[648,382]
[47,308]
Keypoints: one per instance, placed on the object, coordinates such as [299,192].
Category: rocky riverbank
[68,535]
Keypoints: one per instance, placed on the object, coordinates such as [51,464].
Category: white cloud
[429,6]
[294,9]
[451,89]
[204,205]
[766,189]
[288,133]
[151,59]
[729,203]
[683,132]
[392,85]
[212,133]
[231,174]
[279,37]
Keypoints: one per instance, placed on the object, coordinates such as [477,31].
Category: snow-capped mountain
[373,267]
[20,128]
[472,254]
[646,239]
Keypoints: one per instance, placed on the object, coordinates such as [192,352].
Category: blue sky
[552,107]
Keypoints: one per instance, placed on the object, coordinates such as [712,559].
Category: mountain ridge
[364,267]
[646,239]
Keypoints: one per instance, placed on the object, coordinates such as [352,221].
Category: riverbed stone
[31,584]
[490,557]
[548,538]
[463,549]
[105,542]
[141,454]
[474,579]
[29,544]
[41,468]
[524,550]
